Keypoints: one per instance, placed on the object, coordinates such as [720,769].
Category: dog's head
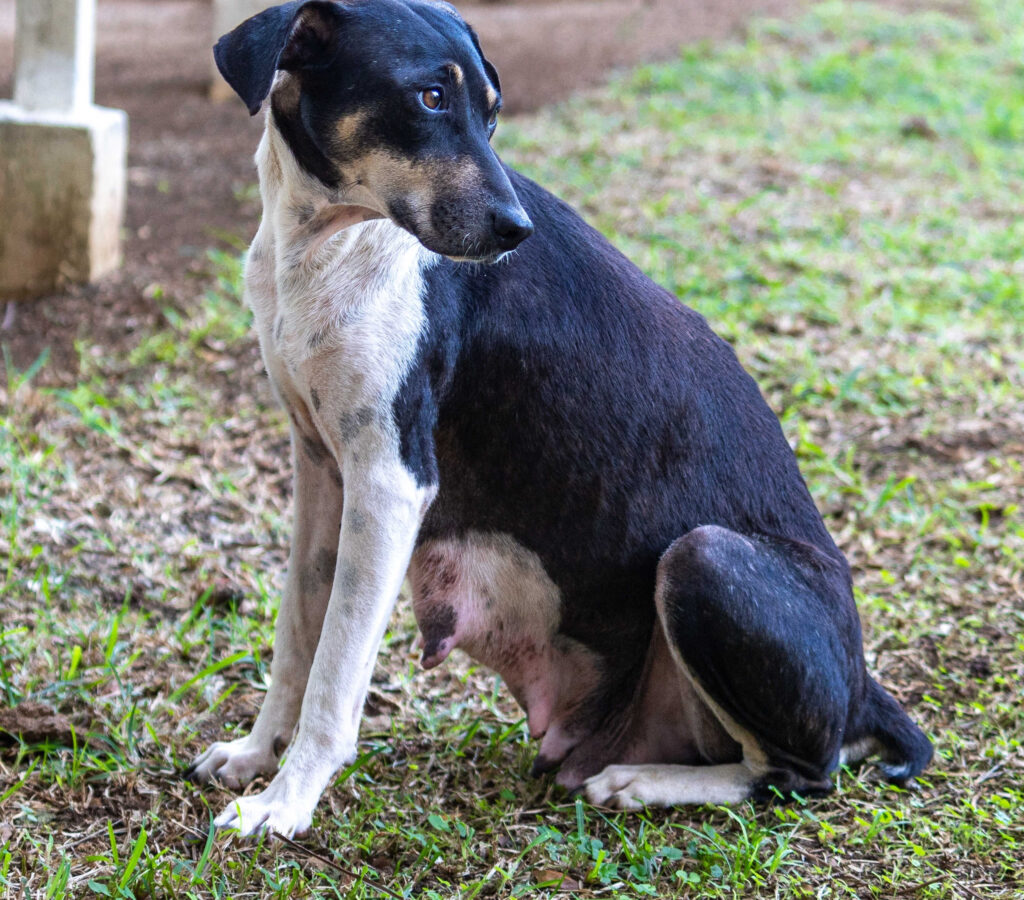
[391,105]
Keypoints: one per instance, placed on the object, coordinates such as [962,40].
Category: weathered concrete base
[62,193]
[227,14]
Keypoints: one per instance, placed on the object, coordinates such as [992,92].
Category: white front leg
[382,513]
[311,568]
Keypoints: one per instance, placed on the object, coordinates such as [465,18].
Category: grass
[842,198]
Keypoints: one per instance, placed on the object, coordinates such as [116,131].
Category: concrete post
[62,159]
[54,50]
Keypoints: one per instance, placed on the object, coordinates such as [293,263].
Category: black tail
[905,750]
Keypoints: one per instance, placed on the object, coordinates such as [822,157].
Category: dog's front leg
[311,566]
[383,510]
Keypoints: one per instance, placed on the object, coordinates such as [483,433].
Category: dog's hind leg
[767,633]
[311,566]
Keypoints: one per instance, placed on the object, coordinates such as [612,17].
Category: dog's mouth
[488,260]
[483,238]
[461,240]
[463,229]
[460,251]
[488,251]
[475,253]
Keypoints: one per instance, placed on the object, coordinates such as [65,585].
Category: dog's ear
[290,37]
[492,73]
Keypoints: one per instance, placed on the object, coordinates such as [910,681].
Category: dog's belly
[490,596]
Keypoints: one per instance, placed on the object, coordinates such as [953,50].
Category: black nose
[511,227]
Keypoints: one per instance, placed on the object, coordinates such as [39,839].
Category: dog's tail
[903,747]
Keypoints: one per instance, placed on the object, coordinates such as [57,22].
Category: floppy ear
[492,73]
[489,69]
[290,37]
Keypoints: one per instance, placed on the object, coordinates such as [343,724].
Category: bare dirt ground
[191,173]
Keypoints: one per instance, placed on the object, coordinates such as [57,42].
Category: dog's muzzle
[510,228]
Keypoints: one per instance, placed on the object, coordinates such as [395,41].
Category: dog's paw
[622,787]
[234,763]
[274,811]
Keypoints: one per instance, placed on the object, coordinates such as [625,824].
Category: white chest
[338,328]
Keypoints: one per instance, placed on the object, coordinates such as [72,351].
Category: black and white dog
[588,493]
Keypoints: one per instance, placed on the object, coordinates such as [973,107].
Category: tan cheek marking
[390,177]
[419,185]
[347,127]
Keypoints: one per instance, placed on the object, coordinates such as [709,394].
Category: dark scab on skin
[314,396]
[280,745]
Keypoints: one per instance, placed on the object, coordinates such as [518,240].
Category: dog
[588,493]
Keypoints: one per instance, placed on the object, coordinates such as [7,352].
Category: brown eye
[432,98]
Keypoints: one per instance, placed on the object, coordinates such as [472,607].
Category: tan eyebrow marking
[455,71]
[492,96]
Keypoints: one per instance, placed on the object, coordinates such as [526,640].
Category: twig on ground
[327,861]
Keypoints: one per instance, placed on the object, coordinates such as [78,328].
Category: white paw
[235,763]
[277,810]
[655,784]
[617,787]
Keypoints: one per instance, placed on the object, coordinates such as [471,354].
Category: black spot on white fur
[357,521]
[351,423]
[350,577]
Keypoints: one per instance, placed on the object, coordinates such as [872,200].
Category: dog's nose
[511,227]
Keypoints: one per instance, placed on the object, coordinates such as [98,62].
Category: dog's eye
[492,122]
[432,98]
